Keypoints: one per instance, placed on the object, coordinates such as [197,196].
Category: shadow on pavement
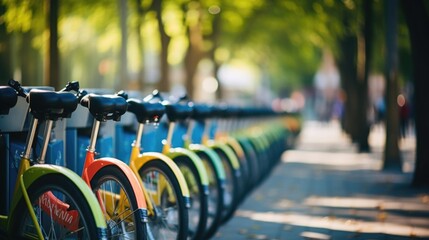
[323,189]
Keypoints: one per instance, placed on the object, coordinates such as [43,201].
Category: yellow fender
[137,162]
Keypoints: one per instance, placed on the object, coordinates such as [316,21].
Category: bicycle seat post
[94,135]
[168,141]
[188,134]
[137,141]
[30,138]
[46,137]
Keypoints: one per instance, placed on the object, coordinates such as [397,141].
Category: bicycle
[189,164]
[212,163]
[200,133]
[117,188]
[48,201]
[223,117]
[261,134]
[164,185]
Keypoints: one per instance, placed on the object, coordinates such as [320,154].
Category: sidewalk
[323,189]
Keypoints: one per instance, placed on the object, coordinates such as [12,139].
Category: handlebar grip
[123,94]
[18,88]
[71,86]
[154,95]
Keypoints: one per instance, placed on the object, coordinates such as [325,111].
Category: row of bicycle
[210,158]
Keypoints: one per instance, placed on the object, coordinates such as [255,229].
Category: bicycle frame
[28,174]
[93,165]
[138,159]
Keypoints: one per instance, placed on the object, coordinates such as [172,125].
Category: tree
[354,65]
[363,76]
[5,49]
[391,151]
[140,48]
[52,65]
[215,35]
[416,15]
[164,80]
[195,51]
[123,59]
[23,20]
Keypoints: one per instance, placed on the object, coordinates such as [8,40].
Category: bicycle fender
[236,146]
[146,157]
[212,155]
[95,166]
[37,171]
[177,152]
[228,151]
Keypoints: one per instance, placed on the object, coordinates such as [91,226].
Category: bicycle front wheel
[169,217]
[232,191]
[116,196]
[61,210]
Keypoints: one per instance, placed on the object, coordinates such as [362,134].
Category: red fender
[92,168]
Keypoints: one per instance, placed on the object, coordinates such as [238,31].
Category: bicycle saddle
[177,111]
[105,107]
[51,105]
[146,111]
[224,111]
[8,99]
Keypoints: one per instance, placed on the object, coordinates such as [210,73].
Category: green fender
[228,151]
[173,153]
[37,171]
[212,155]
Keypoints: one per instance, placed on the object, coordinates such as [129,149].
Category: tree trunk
[140,18]
[354,67]
[365,63]
[192,58]
[417,20]
[392,157]
[215,40]
[347,68]
[195,51]
[5,53]
[123,63]
[52,77]
[164,81]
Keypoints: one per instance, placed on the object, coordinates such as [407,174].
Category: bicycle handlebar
[123,94]
[71,86]
[18,88]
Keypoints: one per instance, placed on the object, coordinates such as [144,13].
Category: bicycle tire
[244,183]
[156,222]
[231,186]
[251,155]
[216,190]
[198,194]
[61,187]
[121,222]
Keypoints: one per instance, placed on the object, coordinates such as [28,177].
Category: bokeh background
[361,63]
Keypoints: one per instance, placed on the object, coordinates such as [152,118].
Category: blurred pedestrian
[404,114]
